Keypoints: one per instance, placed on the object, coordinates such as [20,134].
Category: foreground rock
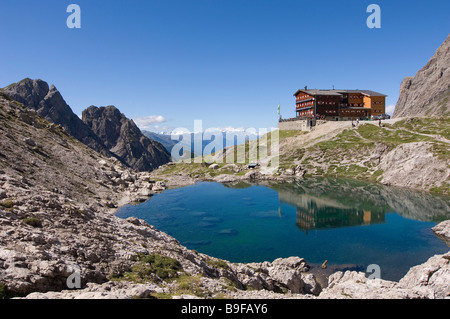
[430,280]
[442,231]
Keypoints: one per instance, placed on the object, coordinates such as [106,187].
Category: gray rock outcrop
[442,231]
[48,102]
[428,92]
[413,165]
[430,280]
[123,138]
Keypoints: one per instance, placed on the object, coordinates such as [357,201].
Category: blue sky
[226,62]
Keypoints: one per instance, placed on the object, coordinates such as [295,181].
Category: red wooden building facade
[338,104]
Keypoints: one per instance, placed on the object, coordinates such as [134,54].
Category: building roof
[372,93]
[316,92]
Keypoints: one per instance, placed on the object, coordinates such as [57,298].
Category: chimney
[306,87]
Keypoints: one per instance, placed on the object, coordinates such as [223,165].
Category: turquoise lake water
[344,222]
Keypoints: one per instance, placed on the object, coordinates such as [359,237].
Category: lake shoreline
[393,200]
[186,176]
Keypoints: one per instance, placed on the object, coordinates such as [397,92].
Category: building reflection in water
[321,213]
[331,217]
[332,203]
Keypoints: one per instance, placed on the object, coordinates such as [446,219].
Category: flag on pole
[279,109]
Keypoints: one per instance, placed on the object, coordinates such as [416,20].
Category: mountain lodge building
[339,104]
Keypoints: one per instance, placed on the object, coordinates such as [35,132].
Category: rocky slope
[111,134]
[411,153]
[48,102]
[428,92]
[123,138]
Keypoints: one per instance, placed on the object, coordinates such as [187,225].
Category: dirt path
[437,137]
[324,132]
[320,133]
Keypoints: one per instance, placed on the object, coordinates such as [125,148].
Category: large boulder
[283,274]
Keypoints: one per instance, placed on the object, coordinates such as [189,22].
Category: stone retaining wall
[300,125]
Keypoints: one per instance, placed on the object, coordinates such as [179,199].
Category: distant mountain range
[189,141]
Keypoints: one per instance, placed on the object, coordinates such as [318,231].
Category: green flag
[279,109]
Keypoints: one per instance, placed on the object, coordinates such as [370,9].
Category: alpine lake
[351,224]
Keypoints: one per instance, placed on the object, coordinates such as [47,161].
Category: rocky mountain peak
[428,92]
[104,129]
[105,122]
[49,103]
[124,139]
[28,92]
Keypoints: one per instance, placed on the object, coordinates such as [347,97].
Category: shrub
[218,263]
[189,285]
[164,267]
[7,203]
[33,221]
[3,292]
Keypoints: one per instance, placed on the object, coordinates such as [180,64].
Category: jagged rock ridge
[123,138]
[112,135]
[428,92]
[49,103]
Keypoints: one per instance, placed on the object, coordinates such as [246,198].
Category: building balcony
[303,101]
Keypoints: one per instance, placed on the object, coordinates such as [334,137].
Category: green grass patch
[290,156]
[189,285]
[290,133]
[441,150]
[398,133]
[426,125]
[345,140]
[443,189]
[376,174]
[217,263]
[392,137]
[164,267]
